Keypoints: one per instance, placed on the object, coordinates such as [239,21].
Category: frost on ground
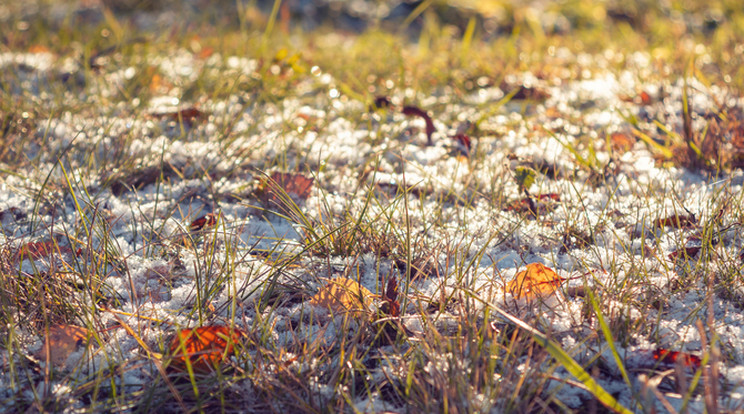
[117,185]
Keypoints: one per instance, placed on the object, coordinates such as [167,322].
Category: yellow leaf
[536,281]
[343,295]
[61,341]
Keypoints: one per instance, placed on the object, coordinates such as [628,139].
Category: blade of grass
[562,357]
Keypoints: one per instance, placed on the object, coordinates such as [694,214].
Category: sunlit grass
[464,357]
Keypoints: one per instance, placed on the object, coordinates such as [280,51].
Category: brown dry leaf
[411,110]
[536,281]
[40,249]
[678,221]
[685,252]
[61,341]
[297,186]
[343,295]
[621,142]
[189,116]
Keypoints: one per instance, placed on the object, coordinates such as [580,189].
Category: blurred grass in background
[348,36]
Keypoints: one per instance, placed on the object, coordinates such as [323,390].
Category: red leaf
[666,356]
[205,347]
[549,196]
[686,252]
[416,111]
[645,98]
[463,143]
[207,220]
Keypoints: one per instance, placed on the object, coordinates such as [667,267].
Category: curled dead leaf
[411,110]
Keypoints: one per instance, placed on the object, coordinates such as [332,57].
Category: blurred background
[491,17]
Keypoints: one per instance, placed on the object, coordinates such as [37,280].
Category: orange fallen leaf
[621,142]
[343,295]
[645,98]
[536,281]
[61,341]
[205,347]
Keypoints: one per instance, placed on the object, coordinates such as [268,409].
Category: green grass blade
[607,333]
[564,359]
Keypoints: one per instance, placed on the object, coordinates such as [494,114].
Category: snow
[488,245]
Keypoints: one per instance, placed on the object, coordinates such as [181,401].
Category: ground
[314,206]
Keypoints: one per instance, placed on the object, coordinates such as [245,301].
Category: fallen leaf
[621,142]
[208,220]
[416,111]
[36,250]
[188,116]
[343,295]
[40,249]
[297,186]
[463,143]
[645,98]
[205,347]
[61,341]
[524,92]
[666,356]
[534,205]
[390,305]
[690,252]
[536,281]
[677,221]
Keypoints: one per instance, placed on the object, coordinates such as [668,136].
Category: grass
[100,189]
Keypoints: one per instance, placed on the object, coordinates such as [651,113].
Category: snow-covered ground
[603,234]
